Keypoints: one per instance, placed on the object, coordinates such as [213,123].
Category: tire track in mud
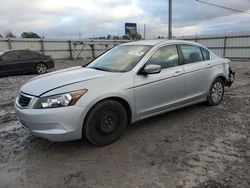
[212,162]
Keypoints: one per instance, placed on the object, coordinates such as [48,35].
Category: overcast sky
[66,18]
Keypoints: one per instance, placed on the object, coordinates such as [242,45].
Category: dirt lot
[198,146]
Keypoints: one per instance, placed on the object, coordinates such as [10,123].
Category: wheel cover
[107,122]
[217,92]
[41,68]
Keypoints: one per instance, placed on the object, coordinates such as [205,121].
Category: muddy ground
[198,146]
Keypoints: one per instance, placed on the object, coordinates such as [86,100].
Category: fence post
[70,50]
[224,46]
[42,46]
[9,44]
[93,50]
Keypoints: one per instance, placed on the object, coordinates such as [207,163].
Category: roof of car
[159,42]
[17,50]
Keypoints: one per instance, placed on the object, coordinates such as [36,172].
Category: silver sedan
[130,82]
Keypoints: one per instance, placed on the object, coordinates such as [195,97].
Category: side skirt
[170,109]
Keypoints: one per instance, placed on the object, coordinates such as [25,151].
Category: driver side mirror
[151,69]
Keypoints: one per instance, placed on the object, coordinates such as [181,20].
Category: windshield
[120,59]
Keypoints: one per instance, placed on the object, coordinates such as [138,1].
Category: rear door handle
[209,65]
[177,73]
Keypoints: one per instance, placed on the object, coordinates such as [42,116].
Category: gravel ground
[198,146]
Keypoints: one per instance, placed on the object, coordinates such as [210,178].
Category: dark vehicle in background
[24,61]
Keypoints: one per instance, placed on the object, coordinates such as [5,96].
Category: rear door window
[191,53]
[29,55]
[10,55]
[205,53]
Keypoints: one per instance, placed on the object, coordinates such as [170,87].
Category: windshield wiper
[103,69]
[98,68]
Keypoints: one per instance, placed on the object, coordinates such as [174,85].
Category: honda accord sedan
[128,83]
[24,61]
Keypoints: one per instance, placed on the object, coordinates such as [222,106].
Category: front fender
[128,98]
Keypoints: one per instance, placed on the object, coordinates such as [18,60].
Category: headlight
[60,100]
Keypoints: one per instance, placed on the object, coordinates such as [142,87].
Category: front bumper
[55,124]
[231,77]
[50,63]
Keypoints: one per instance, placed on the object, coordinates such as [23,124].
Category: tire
[105,122]
[216,92]
[41,68]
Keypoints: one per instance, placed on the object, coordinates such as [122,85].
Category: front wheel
[216,92]
[105,122]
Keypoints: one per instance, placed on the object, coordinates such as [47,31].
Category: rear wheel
[216,92]
[41,68]
[105,122]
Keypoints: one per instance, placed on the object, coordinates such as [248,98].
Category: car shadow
[167,115]
[26,73]
[148,123]
[140,140]
[21,142]
[19,74]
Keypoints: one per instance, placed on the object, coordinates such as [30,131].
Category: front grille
[24,101]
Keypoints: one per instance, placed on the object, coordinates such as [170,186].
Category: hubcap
[107,122]
[217,92]
[41,68]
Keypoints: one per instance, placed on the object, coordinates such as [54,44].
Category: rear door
[197,69]
[155,93]
[29,60]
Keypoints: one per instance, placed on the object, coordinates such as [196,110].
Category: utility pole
[144,31]
[169,19]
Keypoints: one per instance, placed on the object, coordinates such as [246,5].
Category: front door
[156,93]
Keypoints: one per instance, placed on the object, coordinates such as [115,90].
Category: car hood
[48,82]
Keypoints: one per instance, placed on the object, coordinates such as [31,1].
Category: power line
[220,6]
